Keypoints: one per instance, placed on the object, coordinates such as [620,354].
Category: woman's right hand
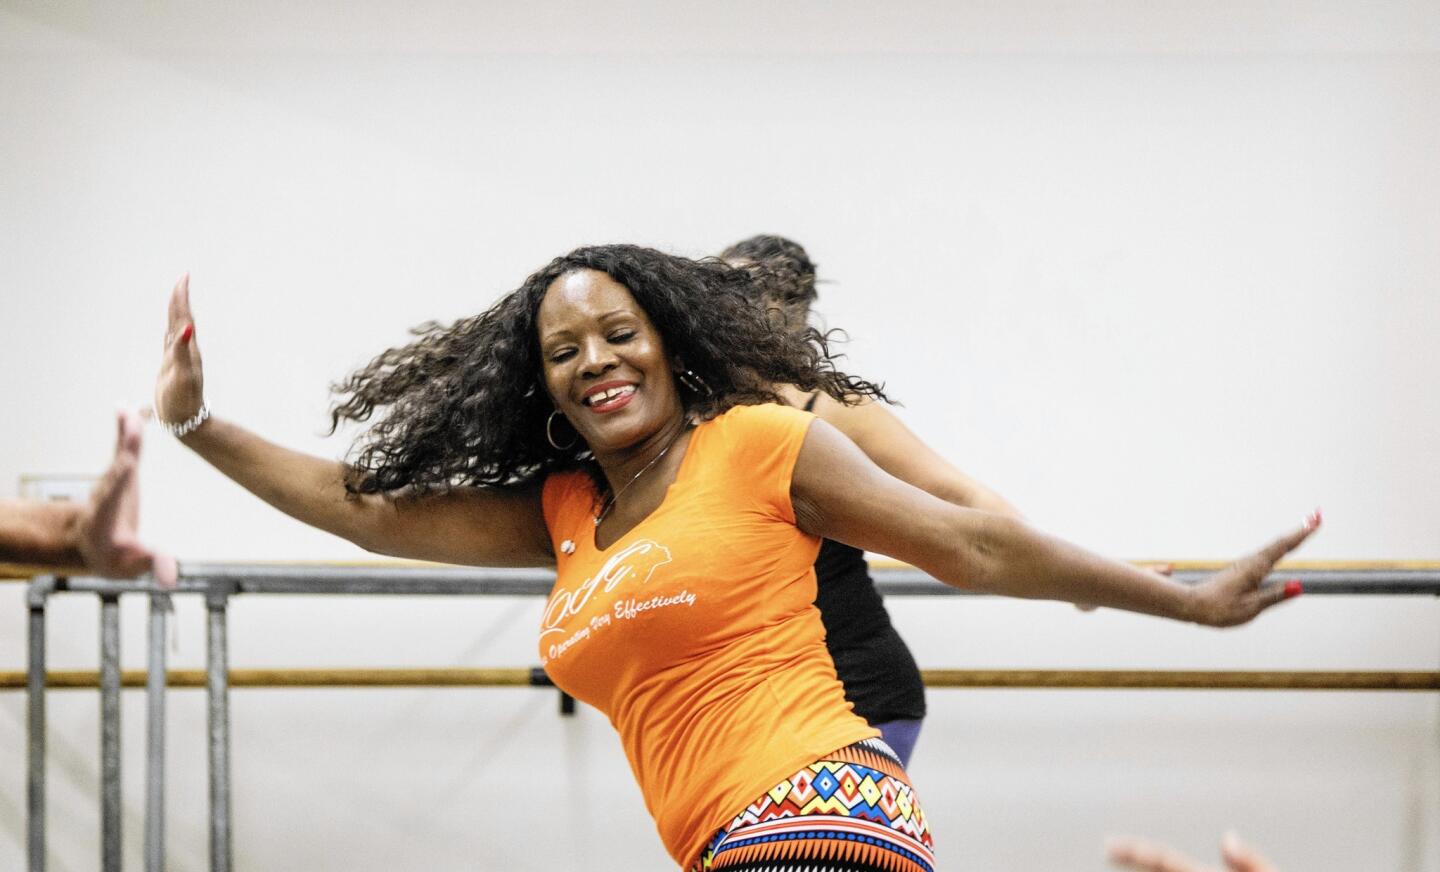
[1238,593]
[180,387]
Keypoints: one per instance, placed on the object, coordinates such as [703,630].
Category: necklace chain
[612,500]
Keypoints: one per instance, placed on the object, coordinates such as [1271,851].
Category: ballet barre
[218,583]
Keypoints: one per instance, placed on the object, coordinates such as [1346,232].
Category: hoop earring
[689,379]
[550,436]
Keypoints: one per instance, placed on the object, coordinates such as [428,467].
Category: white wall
[1164,274]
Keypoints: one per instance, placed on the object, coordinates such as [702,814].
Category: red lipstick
[611,396]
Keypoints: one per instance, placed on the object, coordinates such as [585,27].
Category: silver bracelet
[188,426]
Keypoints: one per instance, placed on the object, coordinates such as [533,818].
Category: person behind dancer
[880,675]
[98,536]
[613,418]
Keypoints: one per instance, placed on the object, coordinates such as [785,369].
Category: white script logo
[638,561]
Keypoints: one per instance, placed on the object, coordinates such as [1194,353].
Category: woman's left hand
[180,386]
[1235,594]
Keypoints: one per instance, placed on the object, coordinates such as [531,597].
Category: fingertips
[127,424]
[1311,524]
[1289,542]
[1271,595]
[1119,850]
[1308,526]
[1132,853]
[176,295]
[184,288]
[1239,857]
[165,570]
[1233,851]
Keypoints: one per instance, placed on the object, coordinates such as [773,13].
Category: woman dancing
[614,417]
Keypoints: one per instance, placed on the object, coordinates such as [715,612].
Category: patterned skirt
[852,811]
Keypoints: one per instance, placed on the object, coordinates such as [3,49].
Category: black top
[873,662]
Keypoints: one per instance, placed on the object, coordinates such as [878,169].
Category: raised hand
[1142,856]
[1234,595]
[180,387]
[108,529]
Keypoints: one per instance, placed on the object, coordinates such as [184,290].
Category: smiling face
[604,363]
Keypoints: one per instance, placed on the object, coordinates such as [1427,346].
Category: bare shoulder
[867,423]
[855,420]
[898,450]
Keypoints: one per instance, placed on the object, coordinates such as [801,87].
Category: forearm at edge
[1012,558]
[307,488]
[40,533]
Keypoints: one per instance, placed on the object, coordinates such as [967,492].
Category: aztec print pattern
[853,811]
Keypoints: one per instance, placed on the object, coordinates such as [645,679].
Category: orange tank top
[696,632]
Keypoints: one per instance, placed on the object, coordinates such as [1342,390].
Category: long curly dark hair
[784,273]
[465,403]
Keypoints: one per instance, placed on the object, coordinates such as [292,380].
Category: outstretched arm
[100,536]
[839,493]
[467,525]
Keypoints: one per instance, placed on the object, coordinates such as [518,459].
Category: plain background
[1164,274]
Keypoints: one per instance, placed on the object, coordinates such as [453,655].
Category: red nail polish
[1293,588]
[187,333]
